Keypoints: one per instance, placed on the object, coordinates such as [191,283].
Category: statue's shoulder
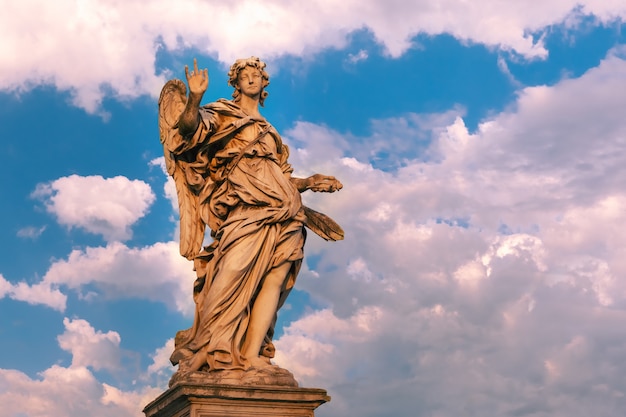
[224,107]
[220,113]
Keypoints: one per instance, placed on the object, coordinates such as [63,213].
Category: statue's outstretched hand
[197,80]
[323,183]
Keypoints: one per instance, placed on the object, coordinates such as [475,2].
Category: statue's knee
[277,276]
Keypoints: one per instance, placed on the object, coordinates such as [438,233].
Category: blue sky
[481,147]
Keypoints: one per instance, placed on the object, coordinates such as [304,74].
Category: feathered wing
[322,225]
[171,104]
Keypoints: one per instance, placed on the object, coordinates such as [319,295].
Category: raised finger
[187,72]
[195,66]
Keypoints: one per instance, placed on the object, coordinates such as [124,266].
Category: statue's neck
[249,105]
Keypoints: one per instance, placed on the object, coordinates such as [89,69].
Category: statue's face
[250,81]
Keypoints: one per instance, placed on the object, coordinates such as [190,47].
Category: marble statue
[232,174]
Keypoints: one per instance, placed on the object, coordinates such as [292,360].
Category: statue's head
[238,66]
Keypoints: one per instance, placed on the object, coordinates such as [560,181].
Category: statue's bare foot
[260,363]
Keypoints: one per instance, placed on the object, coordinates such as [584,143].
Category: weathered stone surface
[189,399]
[232,176]
[272,375]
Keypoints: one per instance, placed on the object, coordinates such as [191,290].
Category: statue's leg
[263,312]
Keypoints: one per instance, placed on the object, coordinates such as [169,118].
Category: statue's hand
[198,81]
[323,183]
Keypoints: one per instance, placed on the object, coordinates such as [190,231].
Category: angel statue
[231,173]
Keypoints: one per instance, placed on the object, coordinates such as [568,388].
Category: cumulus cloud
[40,293]
[105,206]
[90,348]
[161,369]
[157,272]
[75,391]
[487,269]
[58,391]
[435,360]
[93,48]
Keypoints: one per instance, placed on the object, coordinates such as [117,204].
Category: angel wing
[171,104]
[322,225]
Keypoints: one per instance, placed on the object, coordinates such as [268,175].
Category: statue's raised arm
[198,81]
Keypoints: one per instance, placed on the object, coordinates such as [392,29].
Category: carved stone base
[188,399]
[270,375]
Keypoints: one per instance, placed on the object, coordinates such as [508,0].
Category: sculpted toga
[232,174]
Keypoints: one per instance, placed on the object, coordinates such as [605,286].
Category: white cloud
[93,48]
[131,402]
[5,286]
[30,232]
[40,293]
[60,391]
[169,189]
[362,55]
[488,266]
[504,67]
[161,369]
[90,348]
[157,272]
[435,358]
[106,206]
[308,343]
[75,391]
[109,206]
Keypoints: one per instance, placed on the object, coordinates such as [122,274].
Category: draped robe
[256,219]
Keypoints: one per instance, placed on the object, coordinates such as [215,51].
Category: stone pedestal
[186,399]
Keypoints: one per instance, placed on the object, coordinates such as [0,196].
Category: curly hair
[239,65]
